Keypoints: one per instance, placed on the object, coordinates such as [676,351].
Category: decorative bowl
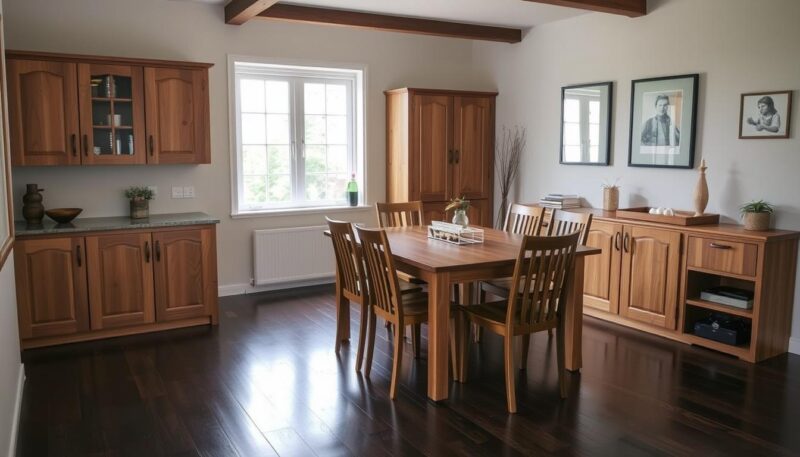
[63,215]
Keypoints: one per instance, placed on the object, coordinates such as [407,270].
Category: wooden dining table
[442,264]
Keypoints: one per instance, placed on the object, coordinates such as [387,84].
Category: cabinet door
[177,113]
[601,280]
[43,112]
[650,272]
[120,280]
[473,146]
[111,114]
[185,274]
[51,287]
[431,148]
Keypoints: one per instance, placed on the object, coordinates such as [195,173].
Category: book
[730,296]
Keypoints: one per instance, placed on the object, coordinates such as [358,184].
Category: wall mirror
[586,124]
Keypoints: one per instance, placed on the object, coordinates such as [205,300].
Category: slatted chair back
[564,222]
[349,263]
[541,269]
[399,214]
[524,219]
[384,288]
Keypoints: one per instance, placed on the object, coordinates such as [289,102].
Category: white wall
[196,31]
[10,366]
[737,46]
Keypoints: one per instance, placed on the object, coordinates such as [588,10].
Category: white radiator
[292,254]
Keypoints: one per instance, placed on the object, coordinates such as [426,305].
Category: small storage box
[724,329]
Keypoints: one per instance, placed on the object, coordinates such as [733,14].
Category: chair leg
[370,341]
[362,334]
[511,395]
[475,327]
[560,356]
[526,343]
[416,338]
[463,346]
[398,360]
[342,326]
[549,333]
[455,346]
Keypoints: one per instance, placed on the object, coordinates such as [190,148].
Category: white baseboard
[242,289]
[12,439]
[794,345]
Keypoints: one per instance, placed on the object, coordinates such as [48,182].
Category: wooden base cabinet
[114,283]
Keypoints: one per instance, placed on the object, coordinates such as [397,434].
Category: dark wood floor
[266,382]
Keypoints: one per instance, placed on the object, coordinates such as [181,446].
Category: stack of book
[561,201]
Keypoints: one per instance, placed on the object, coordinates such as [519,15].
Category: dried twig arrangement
[508,152]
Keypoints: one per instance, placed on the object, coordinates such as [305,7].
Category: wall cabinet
[112,283]
[440,145]
[83,110]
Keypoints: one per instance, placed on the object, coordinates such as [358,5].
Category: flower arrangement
[458,204]
[138,193]
[140,201]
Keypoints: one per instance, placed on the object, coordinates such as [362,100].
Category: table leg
[574,318]
[438,335]
[467,298]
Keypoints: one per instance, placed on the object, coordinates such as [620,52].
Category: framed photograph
[586,124]
[663,118]
[765,115]
[6,220]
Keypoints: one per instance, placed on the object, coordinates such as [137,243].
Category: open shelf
[743,351]
[748,313]
[720,273]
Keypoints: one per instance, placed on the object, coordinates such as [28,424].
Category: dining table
[441,264]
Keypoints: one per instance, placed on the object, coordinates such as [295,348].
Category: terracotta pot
[610,198]
[756,221]
[140,208]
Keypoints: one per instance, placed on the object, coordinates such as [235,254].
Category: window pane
[253,129]
[337,129]
[572,153]
[315,187]
[255,189]
[314,96]
[278,97]
[337,185]
[315,129]
[336,99]
[594,153]
[278,129]
[572,134]
[252,95]
[594,112]
[315,159]
[280,188]
[280,159]
[572,110]
[337,159]
[254,160]
[594,134]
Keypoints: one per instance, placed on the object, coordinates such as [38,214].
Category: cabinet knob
[158,251]
[78,257]
[74,142]
[719,246]
[617,237]
[85,144]
[150,144]
[626,242]
[147,252]
[457,155]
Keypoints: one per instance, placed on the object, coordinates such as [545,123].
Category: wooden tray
[680,218]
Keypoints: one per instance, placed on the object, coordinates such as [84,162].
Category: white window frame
[297,72]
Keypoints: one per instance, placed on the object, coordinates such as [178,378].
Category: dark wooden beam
[237,12]
[314,15]
[630,8]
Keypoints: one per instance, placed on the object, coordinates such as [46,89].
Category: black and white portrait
[661,124]
[765,115]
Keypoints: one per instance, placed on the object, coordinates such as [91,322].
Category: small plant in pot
[140,201]
[756,215]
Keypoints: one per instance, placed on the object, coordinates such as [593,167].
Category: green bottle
[352,191]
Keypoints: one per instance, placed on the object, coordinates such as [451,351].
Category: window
[299,136]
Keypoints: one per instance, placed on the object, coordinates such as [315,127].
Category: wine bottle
[352,190]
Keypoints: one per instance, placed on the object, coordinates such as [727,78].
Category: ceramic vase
[460,218]
[32,207]
[701,191]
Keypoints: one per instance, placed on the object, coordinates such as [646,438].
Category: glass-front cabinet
[112,114]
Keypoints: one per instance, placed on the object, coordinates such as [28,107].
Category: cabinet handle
[626,242]
[147,252]
[158,251]
[150,144]
[85,144]
[78,256]
[458,155]
[617,237]
[450,156]
[74,142]
[719,246]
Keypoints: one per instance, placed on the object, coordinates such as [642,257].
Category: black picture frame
[609,116]
[663,86]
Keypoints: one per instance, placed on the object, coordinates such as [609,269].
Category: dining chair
[562,222]
[541,272]
[351,284]
[404,214]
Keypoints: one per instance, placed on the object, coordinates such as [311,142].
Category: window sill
[299,211]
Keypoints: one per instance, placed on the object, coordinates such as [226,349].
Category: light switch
[177,192]
[188,192]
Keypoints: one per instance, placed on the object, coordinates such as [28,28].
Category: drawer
[724,256]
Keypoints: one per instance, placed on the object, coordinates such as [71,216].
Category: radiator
[292,254]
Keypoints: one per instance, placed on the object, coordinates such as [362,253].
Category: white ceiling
[510,13]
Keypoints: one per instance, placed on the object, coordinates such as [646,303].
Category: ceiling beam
[314,15]
[237,12]
[630,8]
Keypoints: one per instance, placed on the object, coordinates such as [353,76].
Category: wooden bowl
[63,215]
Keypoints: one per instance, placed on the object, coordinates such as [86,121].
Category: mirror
[586,124]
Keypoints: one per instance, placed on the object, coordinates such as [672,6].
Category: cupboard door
[650,272]
[602,272]
[177,115]
[184,271]
[111,114]
[120,280]
[431,149]
[473,146]
[51,287]
[43,112]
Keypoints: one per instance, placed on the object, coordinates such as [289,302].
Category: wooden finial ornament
[701,191]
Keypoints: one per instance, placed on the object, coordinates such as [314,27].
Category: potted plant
[756,215]
[610,196]
[140,201]
[461,206]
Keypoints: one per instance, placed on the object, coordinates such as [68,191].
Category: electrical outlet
[188,192]
[153,189]
[177,192]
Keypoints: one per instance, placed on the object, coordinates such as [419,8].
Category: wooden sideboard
[91,284]
[439,146]
[649,277]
